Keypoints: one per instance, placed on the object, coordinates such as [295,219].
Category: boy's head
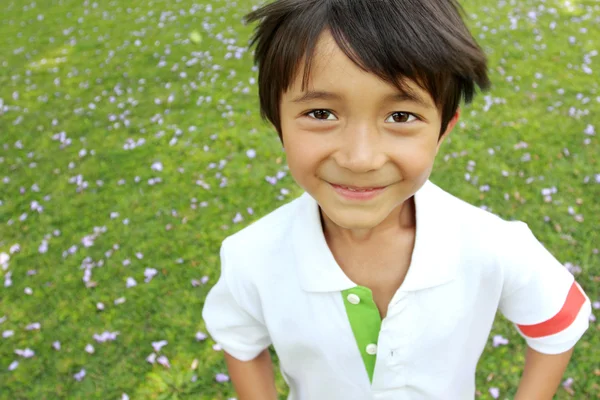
[422,40]
[398,70]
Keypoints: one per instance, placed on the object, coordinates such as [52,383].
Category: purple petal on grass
[596,305]
[56,345]
[13,365]
[89,348]
[8,333]
[217,347]
[33,326]
[251,153]
[26,353]
[221,378]
[238,218]
[7,279]
[200,336]
[590,130]
[105,336]
[567,383]
[157,166]
[498,340]
[151,358]
[149,273]
[521,145]
[79,376]
[159,345]
[124,396]
[203,280]
[164,361]
[495,392]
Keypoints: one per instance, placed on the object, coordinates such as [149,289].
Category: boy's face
[360,140]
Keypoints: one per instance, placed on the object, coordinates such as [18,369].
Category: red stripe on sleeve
[562,320]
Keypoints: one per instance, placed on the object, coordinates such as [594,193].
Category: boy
[376,283]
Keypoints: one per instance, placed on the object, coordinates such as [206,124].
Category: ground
[131,145]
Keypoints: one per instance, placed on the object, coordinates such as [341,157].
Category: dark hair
[425,41]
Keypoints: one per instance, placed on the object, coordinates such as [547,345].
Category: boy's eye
[403,116]
[398,116]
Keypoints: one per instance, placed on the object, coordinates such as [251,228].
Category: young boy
[376,283]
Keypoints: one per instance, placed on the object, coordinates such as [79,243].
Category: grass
[80,81]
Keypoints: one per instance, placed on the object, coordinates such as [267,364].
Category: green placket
[365,321]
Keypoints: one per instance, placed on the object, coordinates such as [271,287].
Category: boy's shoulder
[475,223]
[457,208]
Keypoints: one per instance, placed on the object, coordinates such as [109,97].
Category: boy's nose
[360,151]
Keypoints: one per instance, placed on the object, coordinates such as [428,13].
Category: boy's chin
[355,219]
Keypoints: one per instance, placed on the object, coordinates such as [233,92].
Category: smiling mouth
[359,189]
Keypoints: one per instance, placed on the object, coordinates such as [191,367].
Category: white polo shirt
[281,285]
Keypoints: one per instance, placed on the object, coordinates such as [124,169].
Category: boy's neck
[401,221]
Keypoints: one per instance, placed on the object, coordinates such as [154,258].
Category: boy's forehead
[327,56]
[330,65]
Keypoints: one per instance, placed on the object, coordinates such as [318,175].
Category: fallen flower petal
[33,326]
[495,392]
[159,345]
[164,361]
[79,376]
[151,358]
[27,353]
[498,340]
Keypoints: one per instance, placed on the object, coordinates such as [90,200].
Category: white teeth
[356,190]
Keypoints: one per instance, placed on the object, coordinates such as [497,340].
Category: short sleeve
[229,323]
[539,295]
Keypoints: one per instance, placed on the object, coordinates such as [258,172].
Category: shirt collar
[434,258]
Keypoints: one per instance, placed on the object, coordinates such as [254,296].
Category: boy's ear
[449,128]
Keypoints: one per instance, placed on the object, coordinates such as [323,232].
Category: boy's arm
[542,374]
[548,307]
[254,379]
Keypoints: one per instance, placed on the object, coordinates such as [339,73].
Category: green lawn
[124,150]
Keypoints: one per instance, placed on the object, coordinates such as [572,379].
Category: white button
[354,299]
[372,349]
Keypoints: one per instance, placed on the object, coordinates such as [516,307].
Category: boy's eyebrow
[393,97]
